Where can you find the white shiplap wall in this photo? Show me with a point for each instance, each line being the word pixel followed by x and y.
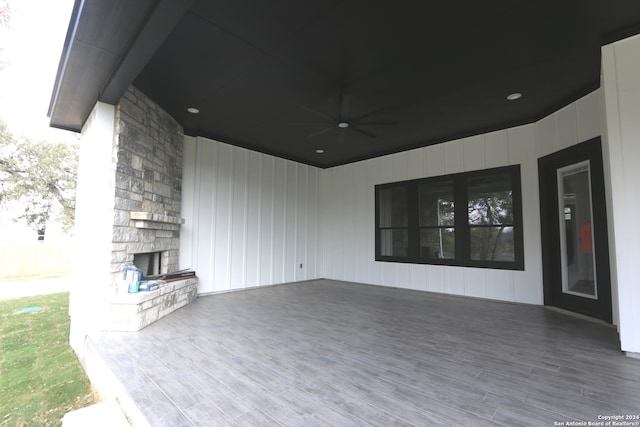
pixel 347 205
pixel 620 69
pixel 250 219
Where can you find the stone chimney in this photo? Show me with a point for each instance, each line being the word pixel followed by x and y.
pixel 128 203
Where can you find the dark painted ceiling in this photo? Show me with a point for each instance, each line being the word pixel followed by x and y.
pixel 278 76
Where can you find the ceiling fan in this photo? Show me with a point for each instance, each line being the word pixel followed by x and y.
pixel 343 122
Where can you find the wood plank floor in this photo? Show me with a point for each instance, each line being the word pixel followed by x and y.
pixel 327 353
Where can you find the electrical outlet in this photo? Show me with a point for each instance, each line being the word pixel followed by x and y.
pixel 300 265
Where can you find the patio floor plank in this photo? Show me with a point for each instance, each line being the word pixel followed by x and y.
pixel 331 353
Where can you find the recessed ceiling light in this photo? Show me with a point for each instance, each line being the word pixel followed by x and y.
pixel 193 110
pixel 343 125
pixel 319 151
pixel 514 96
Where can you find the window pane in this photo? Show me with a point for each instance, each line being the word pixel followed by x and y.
pixel 492 244
pixel 394 242
pixel 436 204
pixel 393 208
pixel 490 200
pixel 437 243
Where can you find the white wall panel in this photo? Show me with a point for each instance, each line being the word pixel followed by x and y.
pixel 311 248
pixel 522 147
pixel 499 285
pixel 453 156
pixel 474 153
pixel 359 258
pixel 403 276
pixel 374 270
pixel 189 154
pixel 301 222
pixel 254 195
pixel 400 166
pixel 249 217
pixel 343 205
pixel 590 116
pixel 497 149
pixel 256 218
pixel 545 130
pixel 435 278
pixel 345 209
pixel 417 164
pixel 203 220
pixel 435 160
pixel 620 69
pixel 290 222
pixel 279 212
pixel 265 241
pixel 418 280
pixel 454 280
pixel 567 126
pixel 475 282
pixel 239 216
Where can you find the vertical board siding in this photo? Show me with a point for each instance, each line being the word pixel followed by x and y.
pixel 188 192
pixel 475 282
pixel 621 67
pixel 238 219
pixel 278 224
pixel 496 144
pixel 527 287
pixel 546 136
pixel 348 206
pixel 290 222
pixel 253 219
pixel 311 249
pixel 474 152
pixel 221 208
pixel 266 224
pixel 248 216
pixel 567 126
pixel 435 160
pixel 590 116
pixel 254 210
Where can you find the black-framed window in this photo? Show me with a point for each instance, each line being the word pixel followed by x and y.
pixel 471 219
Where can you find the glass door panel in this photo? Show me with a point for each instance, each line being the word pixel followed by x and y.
pixel 576 234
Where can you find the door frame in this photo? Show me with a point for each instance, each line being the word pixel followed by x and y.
pixel 550 230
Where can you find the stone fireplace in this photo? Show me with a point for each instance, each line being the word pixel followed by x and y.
pixel 147 205
pixel 128 213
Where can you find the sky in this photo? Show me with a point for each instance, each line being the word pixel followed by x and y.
pixel 31 49
pixel 30 52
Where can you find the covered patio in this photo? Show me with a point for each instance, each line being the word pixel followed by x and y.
pixel 387 190
pixel 326 352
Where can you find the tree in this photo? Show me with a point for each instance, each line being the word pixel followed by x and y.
pixel 41 177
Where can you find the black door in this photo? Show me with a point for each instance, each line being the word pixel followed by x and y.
pixel 575 250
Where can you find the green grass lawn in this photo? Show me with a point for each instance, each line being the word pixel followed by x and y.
pixel 40 377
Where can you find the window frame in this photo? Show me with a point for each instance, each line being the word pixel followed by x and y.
pixel 462 228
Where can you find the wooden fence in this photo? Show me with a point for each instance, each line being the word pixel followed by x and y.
pixel 35 259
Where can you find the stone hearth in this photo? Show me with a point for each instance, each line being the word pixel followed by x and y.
pixel 132 312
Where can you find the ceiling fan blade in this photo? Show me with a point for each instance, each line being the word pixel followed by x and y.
pixel 319 123
pixel 319 113
pixel 344 108
pixel 381 123
pixel 364 132
pixel 371 113
pixel 320 132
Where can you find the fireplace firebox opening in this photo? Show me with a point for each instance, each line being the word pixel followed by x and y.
pixel 150 263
